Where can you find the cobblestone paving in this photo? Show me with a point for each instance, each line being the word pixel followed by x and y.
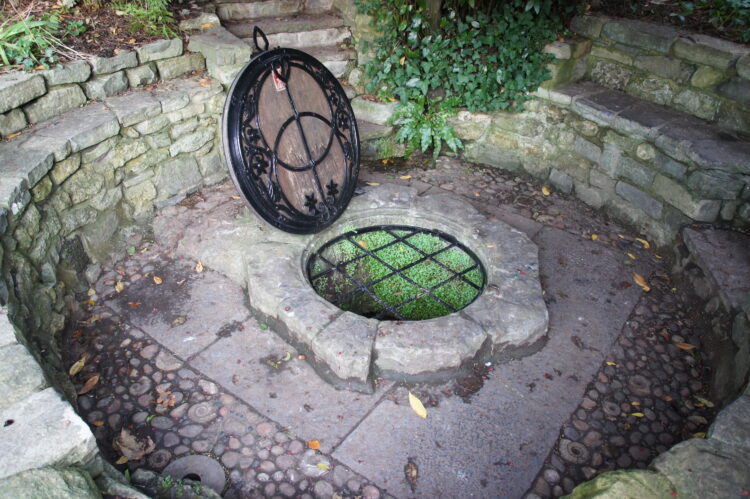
pixel 647 395
pixel 148 391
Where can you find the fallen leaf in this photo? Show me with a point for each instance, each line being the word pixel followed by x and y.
pixel 641 281
pixel 416 406
pixel 287 357
pixel 131 447
pixel 594 237
pixel 179 321
pixel 490 245
pixel 117 51
pixel 610 363
pixel 545 190
pixel 98 423
pixel 643 242
pixel 131 41
pixel 402 60
pixel 199 267
pixel 700 434
pixel 181 282
pixel 637 414
pixel 206 25
pixel 631 256
pixel 373 183
pixel 411 473
pixel 13 135
pixel 405 177
pixel 89 384
pixel 78 365
pixel 703 401
pixel 236 197
pixel 363 244
pixel 91 292
pixel 122 460
pixel 134 304
pixel 685 346
pixel 119 286
pixel 157 280
pixel 667 398
pixel 323 466
pixel 635 403
pixel 314 444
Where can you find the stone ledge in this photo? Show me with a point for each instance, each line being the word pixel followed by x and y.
pixel 45 431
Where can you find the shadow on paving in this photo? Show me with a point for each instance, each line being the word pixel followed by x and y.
pixel 246 397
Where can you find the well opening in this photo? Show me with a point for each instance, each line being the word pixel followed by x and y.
pixel 396 272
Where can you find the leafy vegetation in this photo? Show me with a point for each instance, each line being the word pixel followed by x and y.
pixel 424 125
pixel 29 42
pixel 395 290
pixel 150 16
pixel 723 15
pixel 484 56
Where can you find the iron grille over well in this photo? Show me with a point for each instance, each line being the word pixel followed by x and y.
pixel 396 272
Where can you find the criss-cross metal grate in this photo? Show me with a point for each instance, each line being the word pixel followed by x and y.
pixel 396 272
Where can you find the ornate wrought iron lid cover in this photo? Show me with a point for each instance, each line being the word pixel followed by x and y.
pixel 290 139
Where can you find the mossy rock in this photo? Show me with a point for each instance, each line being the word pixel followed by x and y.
pixel 624 484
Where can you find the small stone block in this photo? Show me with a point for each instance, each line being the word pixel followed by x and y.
pixel 106 65
pixel 345 345
pixel 20 375
pixel 46 431
pixel 12 121
pixel 708 50
pixel 55 102
pixel 134 107
pixel 657 38
pixel 72 72
pixel 142 75
pixel 103 86
pixel 18 88
pixel 162 49
pixel 178 66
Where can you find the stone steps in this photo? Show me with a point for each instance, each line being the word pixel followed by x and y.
pixel 286 24
pixel 241 11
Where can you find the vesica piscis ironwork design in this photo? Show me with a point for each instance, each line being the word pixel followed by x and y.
pixel 291 140
pixel 396 272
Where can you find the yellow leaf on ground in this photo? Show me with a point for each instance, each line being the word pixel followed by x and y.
pixel 199 267
pixel 179 321
pixel 89 384
pixel 158 280
pixel 641 281
pixel 13 135
pixel 91 292
pixel 373 183
pixel 700 434
pixel 637 414
pixel 98 423
pixel 117 51
pixel 490 245
pixel 122 460
pixel 643 242
pixel 545 190
pixel 206 25
pixel 236 197
pixel 704 401
pixel 323 466
pixel 119 286
pixel 314 444
pixel 631 256
pixel 416 406
pixel 594 237
pixel 131 41
pixel 405 177
pixel 667 398
pixel 685 346
pixel 77 366
pixel 610 363
pixel 635 403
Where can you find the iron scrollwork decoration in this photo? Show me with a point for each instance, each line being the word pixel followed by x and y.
pixel 291 140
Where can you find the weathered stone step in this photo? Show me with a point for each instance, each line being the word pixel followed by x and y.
pixel 241 11
pixel 306 39
pixel 287 24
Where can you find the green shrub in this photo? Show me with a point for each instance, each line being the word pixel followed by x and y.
pixel 149 16
pixel 724 15
pixel 424 124
pixel 31 42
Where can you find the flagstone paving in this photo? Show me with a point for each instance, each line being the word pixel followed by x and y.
pixel 183 360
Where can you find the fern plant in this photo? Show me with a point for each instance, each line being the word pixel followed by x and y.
pixel 424 125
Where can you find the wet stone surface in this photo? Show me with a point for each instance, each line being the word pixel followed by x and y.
pixel 183 362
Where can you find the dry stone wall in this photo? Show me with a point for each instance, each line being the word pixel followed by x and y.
pixel 697 74
pixel 76 186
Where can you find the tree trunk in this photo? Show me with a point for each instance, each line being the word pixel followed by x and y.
pixel 433 14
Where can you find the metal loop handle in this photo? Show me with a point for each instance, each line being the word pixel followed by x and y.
pixel 282 70
pixel 257 31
